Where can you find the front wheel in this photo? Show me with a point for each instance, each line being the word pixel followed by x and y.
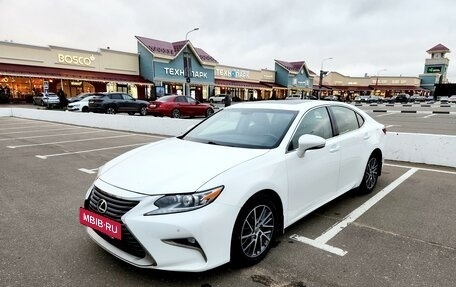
pixel 370 177
pixel 254 231
pixel 143 111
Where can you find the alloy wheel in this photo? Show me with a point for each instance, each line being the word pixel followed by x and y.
pixel 257 231
pixel 371 174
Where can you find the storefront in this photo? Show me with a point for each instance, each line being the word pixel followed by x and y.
pixel 26 70
pixel 244 84
pixel 294 76
pixel 176 68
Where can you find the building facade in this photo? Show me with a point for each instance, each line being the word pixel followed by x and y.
pixel 294 76
pixel 25 68
pixel 435 68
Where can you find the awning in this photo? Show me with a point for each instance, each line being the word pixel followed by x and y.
pixel 68 74
pixel 323 88
pixel 395 88
pixel 240 84
pixel 351 88
pixel 274 85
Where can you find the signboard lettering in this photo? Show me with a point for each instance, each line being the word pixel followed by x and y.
pixel 75 60
pixel 181 72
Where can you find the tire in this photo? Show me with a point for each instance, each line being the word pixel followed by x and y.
pixel 131 113
pixel 85 109
pixel 176 114
pixel 111 110
pixel 370 176
pixel 209 112
pixel 143 111
pixel 249 245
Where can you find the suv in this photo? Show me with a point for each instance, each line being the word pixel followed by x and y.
pixel 46 99
pixel 218 98
pixel 112 103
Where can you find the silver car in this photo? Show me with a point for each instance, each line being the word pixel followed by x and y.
pixel 46 99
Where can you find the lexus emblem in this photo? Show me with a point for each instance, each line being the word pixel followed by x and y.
pixel 102 206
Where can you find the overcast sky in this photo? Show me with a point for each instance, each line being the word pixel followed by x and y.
pixel 362 36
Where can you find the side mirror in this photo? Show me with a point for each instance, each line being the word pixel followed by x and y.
pixel 309 142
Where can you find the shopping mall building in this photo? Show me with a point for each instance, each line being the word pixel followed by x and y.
pixel 161 67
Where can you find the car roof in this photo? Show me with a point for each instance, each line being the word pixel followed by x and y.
pixel 295 105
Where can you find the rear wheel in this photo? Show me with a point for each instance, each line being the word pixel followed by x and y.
pixel 131 113
pixel 111 110
pixel 209 112
pixel 371 173
pixel 176 113
pixel 254 231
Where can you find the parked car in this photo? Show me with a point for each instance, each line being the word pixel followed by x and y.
pixel 218 98
pixel 443 100
pixel 401 98
pixel 293 97
pixel 46 99
pixel 430 99
pixel 362 99
pixel 112 103
pixel 331 98
pixel 81 105
pixel 452 99
pixel 226 189
pixel 177 106
pixel 375 99
pixel 80 97
pixel 417 99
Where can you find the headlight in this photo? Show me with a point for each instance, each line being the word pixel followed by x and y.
pixel 185 202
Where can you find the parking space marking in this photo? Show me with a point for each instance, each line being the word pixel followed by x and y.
pixel 421 168
pixel 89 171
pixel 69 141
pixel 388 114
pixel 30 126
pixel 428 116
pixel 45 130
pixel 390 126
pixel 55 135
pixel 86 151
pixel 320 242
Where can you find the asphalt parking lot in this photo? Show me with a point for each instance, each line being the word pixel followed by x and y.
pixel 401 235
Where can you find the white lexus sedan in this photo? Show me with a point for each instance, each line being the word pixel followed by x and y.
pixel 226 189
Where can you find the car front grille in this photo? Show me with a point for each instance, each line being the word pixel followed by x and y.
pixel 116 209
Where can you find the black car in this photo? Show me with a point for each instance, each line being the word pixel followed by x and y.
pixel 401 98
pixel 112 103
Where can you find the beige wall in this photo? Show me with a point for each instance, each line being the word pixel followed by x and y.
pixel 105 60
pixel 336 79
pixel 241 74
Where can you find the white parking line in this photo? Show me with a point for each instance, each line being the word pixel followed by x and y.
pixel 390 126
pixel 30 126
pixel 320 242
pixel 45 130
pixel 421 168
pixel 55 135
pixel 68 141
pixel 86 151
pixel 388 114
pixel 428 116
pixel 89 171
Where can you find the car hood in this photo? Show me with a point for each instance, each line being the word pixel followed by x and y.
pixel 173 166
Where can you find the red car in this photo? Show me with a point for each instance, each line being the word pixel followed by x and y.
pixel 176 106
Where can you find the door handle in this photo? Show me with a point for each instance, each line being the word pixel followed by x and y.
pixel 334 148
pixel 366 136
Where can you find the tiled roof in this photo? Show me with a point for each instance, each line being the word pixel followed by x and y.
pixel 291 66
pixel 438 48
pixel 172 49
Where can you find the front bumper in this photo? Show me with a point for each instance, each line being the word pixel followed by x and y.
pixel 166 238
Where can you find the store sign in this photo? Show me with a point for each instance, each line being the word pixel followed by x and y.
pixel 181 72
pixel 434 69
pixel 234 73
pixel 75 60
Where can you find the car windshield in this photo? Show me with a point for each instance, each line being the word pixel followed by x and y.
pixel 247 128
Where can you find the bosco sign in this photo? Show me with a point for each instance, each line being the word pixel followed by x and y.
pixel 76 60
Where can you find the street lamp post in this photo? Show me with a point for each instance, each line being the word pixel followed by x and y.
pixel 321 76
pixel 186 66
pixel 376 80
